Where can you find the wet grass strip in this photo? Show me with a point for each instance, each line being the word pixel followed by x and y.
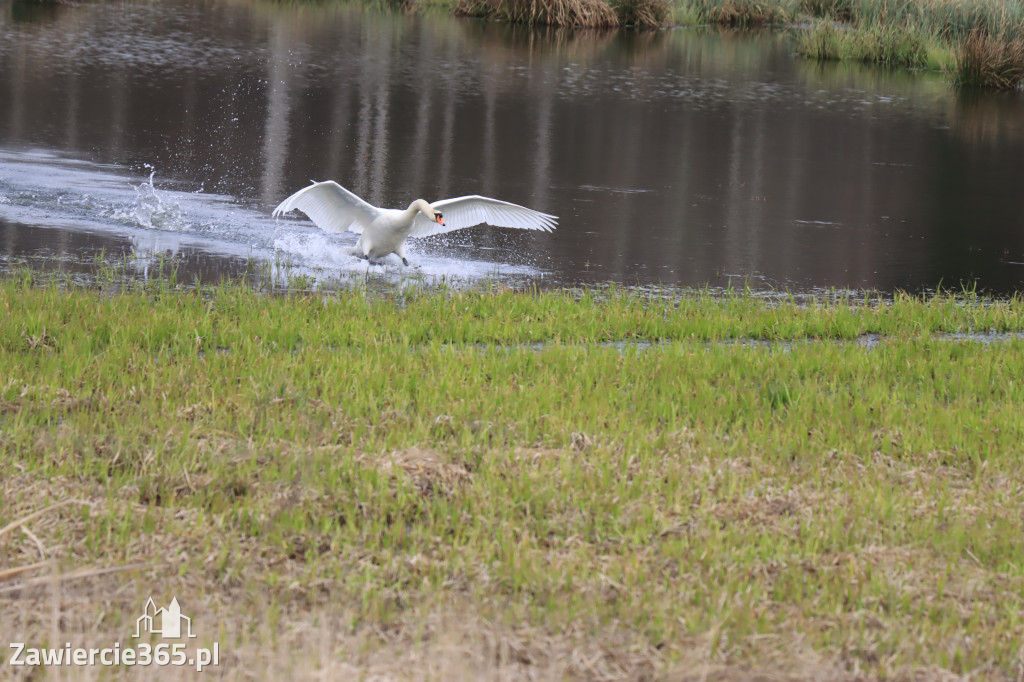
pixel 410 472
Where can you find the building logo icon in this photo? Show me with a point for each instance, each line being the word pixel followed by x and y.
pixel 169 623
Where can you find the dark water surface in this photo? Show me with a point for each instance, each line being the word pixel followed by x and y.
pixel 684 157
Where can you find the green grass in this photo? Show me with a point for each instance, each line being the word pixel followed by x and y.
pixel 978 44
pixel 491 482
pixel 882 44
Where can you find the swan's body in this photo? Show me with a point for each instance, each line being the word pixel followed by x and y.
pixel 384 230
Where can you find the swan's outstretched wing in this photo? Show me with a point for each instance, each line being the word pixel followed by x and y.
pixel 464 212
pixel 332 207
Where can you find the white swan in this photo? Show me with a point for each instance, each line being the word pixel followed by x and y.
pixel 384 230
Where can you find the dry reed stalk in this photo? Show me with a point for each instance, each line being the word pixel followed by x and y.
pixel 18 570
pixel 36 514
pixel 80 574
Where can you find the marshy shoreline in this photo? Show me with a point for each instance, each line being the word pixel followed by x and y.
pixel 977 45
pixel 980 46
pixel 453 484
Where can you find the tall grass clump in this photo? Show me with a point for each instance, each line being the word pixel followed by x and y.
pixel 745 13
pixel 894 45
pixel 638 13
pixel 586 13
pixel 641 13
pixel 837 10
pixel 823 42
pixel 985 60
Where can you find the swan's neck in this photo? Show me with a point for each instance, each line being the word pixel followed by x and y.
pixel 419 206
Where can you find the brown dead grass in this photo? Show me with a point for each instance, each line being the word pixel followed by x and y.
pixel 429 471
pixel 744 13
pixel 48 596
pixel 454 643
pixel 299 628
pixel 586 13
pixel 986 60
pixel 642 13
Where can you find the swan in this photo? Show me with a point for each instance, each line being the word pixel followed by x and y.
pixel 384 230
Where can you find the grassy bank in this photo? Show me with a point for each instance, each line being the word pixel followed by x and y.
pixel 455 485
pixel 979 44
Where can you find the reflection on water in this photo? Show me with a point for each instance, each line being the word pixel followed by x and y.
pixel 678 157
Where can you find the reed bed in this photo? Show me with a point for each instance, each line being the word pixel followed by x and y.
pixel 442 484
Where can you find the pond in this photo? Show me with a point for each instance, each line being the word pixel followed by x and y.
pixel 682 157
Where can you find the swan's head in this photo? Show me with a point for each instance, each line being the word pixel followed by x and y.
pixel 428 210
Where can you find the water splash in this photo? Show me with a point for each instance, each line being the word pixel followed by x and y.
pixel 150 211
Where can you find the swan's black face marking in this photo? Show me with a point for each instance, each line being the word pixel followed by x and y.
pixel 438 217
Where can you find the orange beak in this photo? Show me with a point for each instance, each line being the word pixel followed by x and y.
pixel 439 220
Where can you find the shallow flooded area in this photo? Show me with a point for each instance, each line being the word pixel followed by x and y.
pixel 684 157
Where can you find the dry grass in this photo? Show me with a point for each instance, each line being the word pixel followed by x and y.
pixel 302 628
pixel 582 13
pixel 986 60
pixel 642 13
pixel 297 629
pixel 586 13
pixel 745 13
pixel 429 471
